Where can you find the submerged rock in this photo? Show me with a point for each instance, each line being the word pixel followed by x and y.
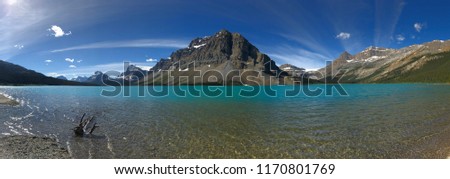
pixel 6 101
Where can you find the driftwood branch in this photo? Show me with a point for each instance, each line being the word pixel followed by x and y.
pixel 81 120
pixel 93 128
pixel 85 126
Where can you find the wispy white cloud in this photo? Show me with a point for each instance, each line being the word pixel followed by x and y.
pixel 400 38
pixel 48 61
pixel 71 60
pixel 418 26
pixel 287 22
pixel 79 61
pixel 19 46
pixel 343 36
pixel 53 74
pixel 151 60
pixel 58 31
pixel 344 18
pixel 308 42
pixel 142 43
pixel 387 15
pixel 72 66
pixel 299 57
pixel 144 67
pixel 25 22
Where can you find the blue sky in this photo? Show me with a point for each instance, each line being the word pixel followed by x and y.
pixel 79 37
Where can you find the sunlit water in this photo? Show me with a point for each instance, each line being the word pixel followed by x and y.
pixel 373 121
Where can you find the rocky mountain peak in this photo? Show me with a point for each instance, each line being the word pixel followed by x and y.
pixel 342 59
pixel 219 48
pixel 345 56
pixel 133 68
pixel 223 32
pixel 373 53
pixel 224 51
pixel 133 72
pixel 223 37
pixel 373 49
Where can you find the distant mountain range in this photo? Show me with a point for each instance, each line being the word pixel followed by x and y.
pixel 226 55
pixel 11 74
pixel 80 79
pixel 428 63
pixel 129 77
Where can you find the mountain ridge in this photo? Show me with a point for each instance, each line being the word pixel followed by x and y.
pixel 12 74
pixel 378 65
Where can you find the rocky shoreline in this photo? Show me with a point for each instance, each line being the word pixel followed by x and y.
pixel 31 147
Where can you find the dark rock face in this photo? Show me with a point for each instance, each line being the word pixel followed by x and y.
pixel 223 47
pixel 162 64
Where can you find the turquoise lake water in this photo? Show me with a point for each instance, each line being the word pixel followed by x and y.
pixel 372 121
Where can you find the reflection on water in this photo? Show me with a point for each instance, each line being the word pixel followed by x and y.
pixel 374 121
